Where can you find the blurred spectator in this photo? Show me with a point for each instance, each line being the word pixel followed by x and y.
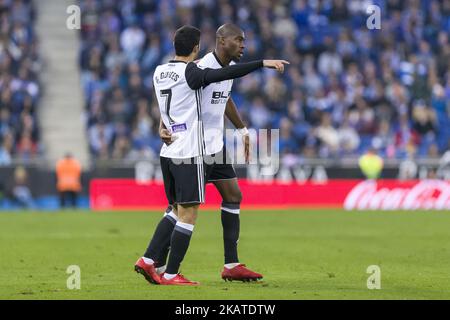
pixel 26 148
pixel 328 136
pixel 68 175
pixel 260 115
pixel 348 138
pixel 433 151
pixel 100 137
pixel 371 164
pixel 288 144
pixel 330 62
pixel 132 40
pixel 6 150
pixel 384 140
pixel 376 80
pixel 19 189
pixel 406 139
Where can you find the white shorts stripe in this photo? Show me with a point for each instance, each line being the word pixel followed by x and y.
pixel 199 183
pixel 235 211
pixel 202 187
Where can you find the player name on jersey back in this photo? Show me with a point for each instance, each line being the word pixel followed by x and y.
pixel 169 74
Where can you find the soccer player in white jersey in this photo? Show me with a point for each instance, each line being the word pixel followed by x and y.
pixel 178 87
pixel 217 97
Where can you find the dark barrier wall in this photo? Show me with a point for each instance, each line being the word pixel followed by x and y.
pixel 43 181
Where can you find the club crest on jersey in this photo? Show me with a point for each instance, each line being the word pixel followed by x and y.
pixel 219 97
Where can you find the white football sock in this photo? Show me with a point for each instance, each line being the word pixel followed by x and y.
pixel 231 265
pixel 171 214
pixel 148 260
pixel 169 276
pixel 161 269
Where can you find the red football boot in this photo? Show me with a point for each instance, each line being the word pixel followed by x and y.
pixel 178 280
pixel 148 271
pixel 240 273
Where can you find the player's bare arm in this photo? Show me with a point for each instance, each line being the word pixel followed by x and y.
pixel 233 115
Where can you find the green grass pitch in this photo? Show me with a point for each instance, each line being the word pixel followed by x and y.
pixel 303 254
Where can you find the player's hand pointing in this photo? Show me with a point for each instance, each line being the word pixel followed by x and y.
pixel 275 64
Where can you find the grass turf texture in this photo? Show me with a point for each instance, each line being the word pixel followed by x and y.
pixel 317 254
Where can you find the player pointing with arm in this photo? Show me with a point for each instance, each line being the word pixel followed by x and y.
pixel 178 87
pixel 230 43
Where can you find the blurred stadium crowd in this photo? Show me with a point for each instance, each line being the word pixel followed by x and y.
pixel 19 82
pixel 348 88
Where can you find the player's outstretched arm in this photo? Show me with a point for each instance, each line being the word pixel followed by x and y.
pixel 198 78
pixel 275 64
pixel 232 114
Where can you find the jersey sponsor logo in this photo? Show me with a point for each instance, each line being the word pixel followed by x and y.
pixel 219 97
pixel 179 127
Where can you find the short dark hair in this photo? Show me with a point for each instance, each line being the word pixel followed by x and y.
pixel 186 38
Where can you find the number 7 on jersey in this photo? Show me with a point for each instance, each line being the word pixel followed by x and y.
pixel 168 94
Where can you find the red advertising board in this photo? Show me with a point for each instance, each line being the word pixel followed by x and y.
pixel 127 194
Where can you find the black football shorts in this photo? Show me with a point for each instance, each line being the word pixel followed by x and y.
pixel 185 179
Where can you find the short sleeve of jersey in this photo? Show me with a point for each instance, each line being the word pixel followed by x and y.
pixel 202 65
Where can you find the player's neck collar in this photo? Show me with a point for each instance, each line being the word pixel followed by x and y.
pixel 177 61
pixel 217 58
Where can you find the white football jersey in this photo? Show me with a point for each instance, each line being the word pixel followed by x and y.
pixel 179 88
pixel 214 100
pixel 180 110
